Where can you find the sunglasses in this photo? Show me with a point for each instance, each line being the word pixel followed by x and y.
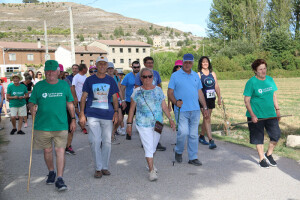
pixel 149 76
pixel 39 74
pixel 93 71
pixel 136 67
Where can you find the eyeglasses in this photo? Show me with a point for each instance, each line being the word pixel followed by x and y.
pixel 40 74
pixel 93 71
pixel 136 67
pixel 149 76
pixel 149 62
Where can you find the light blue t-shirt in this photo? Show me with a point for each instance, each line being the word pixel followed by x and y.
pixel 186 87
pixel 156 79
pixel 154 98
pixel 128 81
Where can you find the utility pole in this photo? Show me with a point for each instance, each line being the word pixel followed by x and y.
pixel 72 37
pixel 47 56
pixel 203 50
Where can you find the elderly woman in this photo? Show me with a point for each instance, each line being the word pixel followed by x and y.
pixel 150 104
pixel 261 103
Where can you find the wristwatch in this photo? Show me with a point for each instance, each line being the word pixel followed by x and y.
pixel 205 108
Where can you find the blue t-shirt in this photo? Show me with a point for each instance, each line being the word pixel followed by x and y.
pixel 70 77
pixel 186 87
pixel 100 91
pixel 128 81
pixel 156 79
pixel 154 98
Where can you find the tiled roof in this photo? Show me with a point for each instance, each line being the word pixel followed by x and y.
pixel 24 46
pixel 121 42
pixel 86 49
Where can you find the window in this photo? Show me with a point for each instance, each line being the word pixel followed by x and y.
pixel 91 62
pixel 12 56
pixel 114 60
pixel 144 50
pixel 137 50
pixel 121 50
pixel 91 54
pixel 121 60
pixel 82 62
pixel 81 54
pixel 12 69
pixel 129 50
pixel 129 61
pixel 30 57
pixel 113 50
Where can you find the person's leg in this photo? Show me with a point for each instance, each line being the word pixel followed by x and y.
pixel 271 147
pixel 25 120
pixel 70 138
pixel 207 124
pixel 193 124
pixel 106 129
pixel 203 130
pixel 5 109
pixel 95 140
pixel 273 130
pixel 20 123
pixel 48 156
pixel 260 151
pixel 183 131
pixel 257 137
pixel 60 160
pixel 150 163
pixel 13 122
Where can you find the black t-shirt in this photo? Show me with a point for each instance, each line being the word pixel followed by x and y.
pixel 29 86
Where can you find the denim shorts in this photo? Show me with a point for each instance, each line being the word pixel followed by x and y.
pixel 257 130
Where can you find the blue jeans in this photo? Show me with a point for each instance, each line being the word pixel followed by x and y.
pixel 188 128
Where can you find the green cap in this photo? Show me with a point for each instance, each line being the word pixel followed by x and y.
pixel 51 65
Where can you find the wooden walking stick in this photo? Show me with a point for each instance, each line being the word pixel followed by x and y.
pixel 263 119
pixel 31 145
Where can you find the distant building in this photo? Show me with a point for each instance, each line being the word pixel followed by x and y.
pixel 14 56
pixel 157 41
pixel 83 55
pixel 122 53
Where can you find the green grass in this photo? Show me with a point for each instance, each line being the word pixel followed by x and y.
pixel 288 96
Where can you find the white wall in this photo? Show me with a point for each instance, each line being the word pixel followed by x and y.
pixel 63 56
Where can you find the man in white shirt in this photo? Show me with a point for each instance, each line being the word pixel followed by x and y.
pixel 76 89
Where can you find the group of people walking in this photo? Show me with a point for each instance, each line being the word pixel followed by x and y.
pixel 101 101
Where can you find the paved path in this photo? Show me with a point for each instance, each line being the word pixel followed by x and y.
pixel 229 172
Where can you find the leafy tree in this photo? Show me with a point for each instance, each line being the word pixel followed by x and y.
pixel 119 32
pixel 180 43
pixel 167 44
pixel 296 17
pixel 99 35
pixel 81 38
pixel 29 28
pixel 149 40
pixel 142 31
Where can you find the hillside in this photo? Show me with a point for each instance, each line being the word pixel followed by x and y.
pixel 25 22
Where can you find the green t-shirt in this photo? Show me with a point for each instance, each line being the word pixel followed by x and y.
pixel 20 91
pixel 261 93
pixel 51 100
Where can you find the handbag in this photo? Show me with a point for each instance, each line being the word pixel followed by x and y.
pixel 158 127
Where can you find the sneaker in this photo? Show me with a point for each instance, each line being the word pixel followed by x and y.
pixel 123 131
pixel 160 147
pixel 114 141
pixel 1 128
pixel 84 131
pixel 13 131
pixel 178 157
pixel 263 163
pixel 7 116
pixel 51 178
pixel 195 162
pixel 60 184
pixel 154 168
pixel 119 130
pixel 153 175
pixel 70 151
pixel 202 140
pixel 98 174
pixel 20 132
pixel 128 137
pixel 105 172
pixel 212 144
pixel 270 160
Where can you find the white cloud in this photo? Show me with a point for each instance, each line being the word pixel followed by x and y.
pixel 196 29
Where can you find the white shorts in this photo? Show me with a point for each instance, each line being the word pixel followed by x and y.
pixel 149 139
pixel 18 111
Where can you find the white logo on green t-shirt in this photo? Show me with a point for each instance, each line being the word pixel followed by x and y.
pixel 44 95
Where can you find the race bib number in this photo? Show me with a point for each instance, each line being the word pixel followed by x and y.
pixel 210 94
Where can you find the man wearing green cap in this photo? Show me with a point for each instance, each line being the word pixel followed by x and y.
pixel 52 96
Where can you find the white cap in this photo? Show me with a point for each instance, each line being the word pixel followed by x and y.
pixel 101 58
pixel 111 65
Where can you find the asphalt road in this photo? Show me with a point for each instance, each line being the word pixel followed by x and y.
pixel 228 172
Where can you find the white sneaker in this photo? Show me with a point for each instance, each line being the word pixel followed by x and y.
pixel 7 116
pixel 154 168
pixel 123 131
pixel 119 130
pixel 153 176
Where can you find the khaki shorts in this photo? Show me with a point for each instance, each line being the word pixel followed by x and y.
pixel 18 111
pixel 43 139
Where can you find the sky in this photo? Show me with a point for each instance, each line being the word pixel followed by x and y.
pixel 185 15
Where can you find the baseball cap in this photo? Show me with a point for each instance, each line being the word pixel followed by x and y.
pixel 51 65
pixel 111 65
pixel 101 58
pixel 178 62
pixel 188 57
pixel 120 71
pixel 61 67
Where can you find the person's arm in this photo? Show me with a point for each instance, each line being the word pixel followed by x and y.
pixel 2 96
pixel 82 118
pixel 122 90
pixel 32 107
pixel 217 88
pixel 167 113
pixel 130 117
pixel 203 103
pixel 171 97
pixel 276 106
pixel 70 106
pixel 249 108
pixel 73 91
pixel 116 108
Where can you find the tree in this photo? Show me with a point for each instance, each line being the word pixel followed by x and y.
pixel 119 31
pixel 167 44
pixel 81 38
pixel 99 35
pixel 149 40
pixel 296 17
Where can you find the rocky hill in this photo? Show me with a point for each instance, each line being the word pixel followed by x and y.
pixel 25 22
